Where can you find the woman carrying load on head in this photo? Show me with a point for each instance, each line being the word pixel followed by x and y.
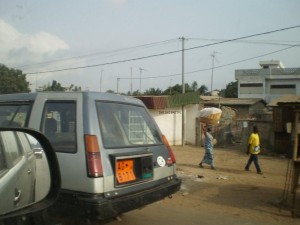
pixel 208 146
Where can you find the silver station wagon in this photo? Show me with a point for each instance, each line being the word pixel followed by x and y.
pixel 112 155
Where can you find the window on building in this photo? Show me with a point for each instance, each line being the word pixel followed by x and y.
pixel 280 89
pixel 251 88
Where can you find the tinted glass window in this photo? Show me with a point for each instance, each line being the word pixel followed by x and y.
pixel 125 125
pixel 34 144
pixel 59 125
pixel 25 142
pixel 13 152
pixel 14 115
pixel 3 165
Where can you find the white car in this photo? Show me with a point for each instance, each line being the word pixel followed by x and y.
pixel 28 184
pixel 17 171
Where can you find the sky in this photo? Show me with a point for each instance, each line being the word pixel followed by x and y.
pixel 129 45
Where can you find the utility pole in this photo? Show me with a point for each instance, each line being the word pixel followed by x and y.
pixel 183 91
pixel 213 55
pixel 36 75
pixel 130 80
pixel 141 69
pixel 101 80
pixel 182 67
pixel 118 79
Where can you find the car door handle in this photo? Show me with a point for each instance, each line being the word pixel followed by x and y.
pixel 29 171
pixel 18 194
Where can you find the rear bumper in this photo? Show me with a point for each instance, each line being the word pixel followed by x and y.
pixel 98 207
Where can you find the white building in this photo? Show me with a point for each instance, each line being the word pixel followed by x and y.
pixel 169 121
pixel 269 82
pixel 168 116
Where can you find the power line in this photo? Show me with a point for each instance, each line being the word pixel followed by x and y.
pixel 115 52
pixel 165 53
pixel 216 67
pixel 263 42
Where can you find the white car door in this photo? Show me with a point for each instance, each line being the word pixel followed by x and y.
pixel 15 179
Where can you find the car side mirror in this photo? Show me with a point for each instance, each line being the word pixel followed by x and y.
pixel 29 173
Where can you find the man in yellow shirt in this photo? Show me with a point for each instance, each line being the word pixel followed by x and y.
pixel 253 149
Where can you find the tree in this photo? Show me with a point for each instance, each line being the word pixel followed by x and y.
pixel 153 91
pixel 194 86
pixel 188 88
pixel 55 86
pixel 231 90
pixel 202 90
pixel 168 91
pixel 136 93
pixel 177 89
pixel 12 81
pixel 222 93
pixel 76 88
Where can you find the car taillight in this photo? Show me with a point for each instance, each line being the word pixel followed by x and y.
pixel 173 160
pixel 94 163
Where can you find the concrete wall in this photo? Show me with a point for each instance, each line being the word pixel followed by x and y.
pixel 170 123
pixel 271 96
pixel 192 112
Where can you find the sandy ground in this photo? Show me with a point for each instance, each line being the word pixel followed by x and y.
pixel 231 190
pixel 228 195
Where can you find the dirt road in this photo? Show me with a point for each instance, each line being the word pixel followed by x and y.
pixel 228 195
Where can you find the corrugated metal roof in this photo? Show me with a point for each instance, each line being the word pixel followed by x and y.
pixel 154 102
pixel 285 99
pixel 162 102
pixel 183 99
pixel 233 101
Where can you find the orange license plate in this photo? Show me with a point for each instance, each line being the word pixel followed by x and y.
pixel 124 171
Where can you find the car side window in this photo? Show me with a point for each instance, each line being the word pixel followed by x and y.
pixel 3 165
pixel 59 125
pixel 28 148
pixel 13 152
pixel 14 115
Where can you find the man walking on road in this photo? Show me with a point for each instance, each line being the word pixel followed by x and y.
pixel 253 149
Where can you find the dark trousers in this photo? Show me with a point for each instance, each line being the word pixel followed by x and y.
pixel 253 158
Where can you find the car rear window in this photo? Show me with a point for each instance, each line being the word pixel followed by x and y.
pixel 124 125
